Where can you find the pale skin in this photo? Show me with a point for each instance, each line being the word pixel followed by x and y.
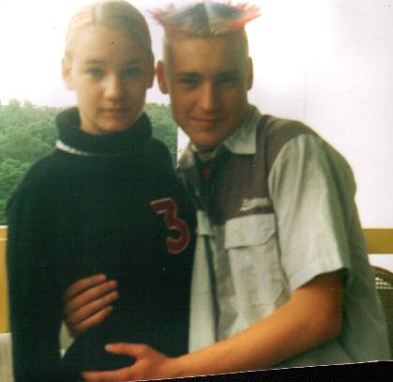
pixel 208 80
pixel 88 302
pixel 110 74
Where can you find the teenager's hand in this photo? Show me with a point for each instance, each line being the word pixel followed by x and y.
pixel 87 302
pixel 149 364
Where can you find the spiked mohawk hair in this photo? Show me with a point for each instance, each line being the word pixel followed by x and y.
pixel 206 18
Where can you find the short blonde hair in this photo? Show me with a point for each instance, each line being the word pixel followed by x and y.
pixel 118 15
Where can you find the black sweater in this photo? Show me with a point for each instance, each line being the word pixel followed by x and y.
pixel 98 204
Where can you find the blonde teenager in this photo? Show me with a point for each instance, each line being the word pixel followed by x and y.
pixel 105 202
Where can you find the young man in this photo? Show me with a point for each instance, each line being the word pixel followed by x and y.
pixel 281 276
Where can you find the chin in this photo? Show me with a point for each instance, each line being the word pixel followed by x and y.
pixel 116 128
pixel 206 145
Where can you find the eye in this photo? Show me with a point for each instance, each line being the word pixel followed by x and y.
pixel 132 71
pixel 228 78
pixel 188 81
pixel 95 72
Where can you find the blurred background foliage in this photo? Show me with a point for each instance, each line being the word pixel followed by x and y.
pixel 28 133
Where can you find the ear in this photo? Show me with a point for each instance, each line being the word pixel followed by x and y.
pixel 161 77
pixel 67 73
pixel 250 73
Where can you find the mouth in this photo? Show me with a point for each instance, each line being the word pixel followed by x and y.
pixel 116 110
pixel 207 121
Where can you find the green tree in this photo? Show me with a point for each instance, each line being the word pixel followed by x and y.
pixel 164 128
pixel 11 173
pixel 28 133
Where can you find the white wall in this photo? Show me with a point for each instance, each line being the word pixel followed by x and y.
pixel 330 63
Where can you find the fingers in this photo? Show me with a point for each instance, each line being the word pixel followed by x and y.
pixel 147 362
pixel 118 375
pixel 83 284
pixel 122 348
pixel 92 297
pixel 88 302
pixel 91 302
pixel 92 321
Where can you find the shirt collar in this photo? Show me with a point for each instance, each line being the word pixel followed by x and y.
pixel 243 140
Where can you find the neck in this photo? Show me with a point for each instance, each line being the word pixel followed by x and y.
pixel 206 154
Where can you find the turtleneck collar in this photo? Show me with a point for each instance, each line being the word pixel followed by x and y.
pixel 75 141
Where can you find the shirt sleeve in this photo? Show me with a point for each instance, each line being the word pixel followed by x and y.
pixel 312 191
pixel 35 304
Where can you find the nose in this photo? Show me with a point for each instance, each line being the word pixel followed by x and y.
pixel 209 97
pixel 114 87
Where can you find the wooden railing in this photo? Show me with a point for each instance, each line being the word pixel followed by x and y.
pixel 3 282
pixel 379 240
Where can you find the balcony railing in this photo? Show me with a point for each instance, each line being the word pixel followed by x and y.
pixel 3 282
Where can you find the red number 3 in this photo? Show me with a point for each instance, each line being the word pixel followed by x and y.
pixel 168 207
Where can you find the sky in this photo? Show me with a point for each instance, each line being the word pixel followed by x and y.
pixel 328 63
pixel 32 43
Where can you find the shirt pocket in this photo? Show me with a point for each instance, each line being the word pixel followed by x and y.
pixel 251 244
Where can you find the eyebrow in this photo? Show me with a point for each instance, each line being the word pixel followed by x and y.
pixel 197 74
pixel 102 62
pixel 188 74
pixel 229 72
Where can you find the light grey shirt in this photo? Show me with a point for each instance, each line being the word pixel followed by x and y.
pixel 287 214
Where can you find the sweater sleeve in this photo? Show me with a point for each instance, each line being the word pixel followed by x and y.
pixel 35 300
